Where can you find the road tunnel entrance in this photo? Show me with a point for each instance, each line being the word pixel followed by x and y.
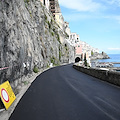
pixel 77 59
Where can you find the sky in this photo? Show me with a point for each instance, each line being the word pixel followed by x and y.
pixel 96 21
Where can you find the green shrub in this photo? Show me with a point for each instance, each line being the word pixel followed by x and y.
pixel 26 1
pixel 51 49
pixel 49 25
pixel 48 65
pixel 66 35
pixel 58 38
pixel 66 48
pixel 25 82
pixel 30 15
pixel 54 29
pixel 55 61
pixel 52 33
pixel 52 60
pixel 60 54
pixel 45 18
pixel 35 69
pixel 51 21
pixel 26 5
pixel 85 63
pixel 92 53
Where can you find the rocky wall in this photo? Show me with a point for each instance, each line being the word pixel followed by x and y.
pixel 29 37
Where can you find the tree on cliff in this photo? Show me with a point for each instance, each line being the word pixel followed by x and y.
pixel 102 53
pixel 85 60
pixel 92 53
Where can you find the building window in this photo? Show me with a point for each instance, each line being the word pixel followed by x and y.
pixel 73 36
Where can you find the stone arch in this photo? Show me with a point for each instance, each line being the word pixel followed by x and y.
pixel 77 59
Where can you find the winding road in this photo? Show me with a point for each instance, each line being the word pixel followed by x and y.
pixel 63 93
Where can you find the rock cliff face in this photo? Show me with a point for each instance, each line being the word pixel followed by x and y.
pixel 102 55
pixel 29 37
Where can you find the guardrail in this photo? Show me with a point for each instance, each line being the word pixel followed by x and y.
pixel 105 75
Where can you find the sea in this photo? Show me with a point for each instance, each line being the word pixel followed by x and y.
pixel 113 58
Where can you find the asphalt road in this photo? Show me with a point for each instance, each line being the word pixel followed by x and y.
pixel 63 93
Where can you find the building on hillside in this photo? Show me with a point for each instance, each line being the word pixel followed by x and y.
pixel 88 58
pixel 60 20
pixel 82 49
pixel 58 15
pixel 67 28
pixel 46 3
pixel 78 49
pixel 57 7
pixel 43 2
pixel 96 50
pixel 56 11
pixel 52 7
pixel 74 38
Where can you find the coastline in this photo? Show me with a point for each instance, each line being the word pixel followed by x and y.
pixel 102 55
pixel 112 64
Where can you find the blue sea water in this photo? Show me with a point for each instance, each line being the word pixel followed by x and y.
pixel 113 58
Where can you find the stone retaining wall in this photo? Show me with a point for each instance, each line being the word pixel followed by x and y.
pixel 109 76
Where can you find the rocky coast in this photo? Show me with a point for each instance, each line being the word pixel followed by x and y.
pixel 102 55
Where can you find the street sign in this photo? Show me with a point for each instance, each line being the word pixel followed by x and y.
pixel 7 95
